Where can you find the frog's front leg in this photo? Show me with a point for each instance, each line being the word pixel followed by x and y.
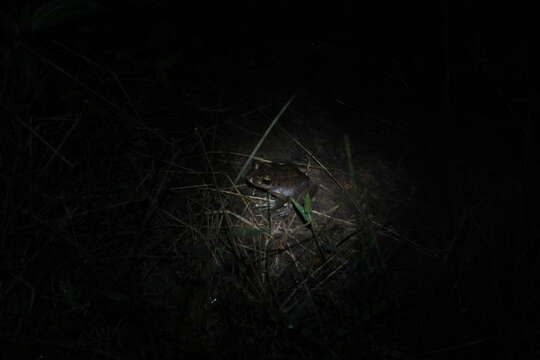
pixel 273 203
pixel 279 203
pixel 285 207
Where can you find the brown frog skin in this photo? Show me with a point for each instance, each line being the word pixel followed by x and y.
pixel 283 180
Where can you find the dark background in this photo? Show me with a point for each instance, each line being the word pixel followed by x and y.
pixel 455 74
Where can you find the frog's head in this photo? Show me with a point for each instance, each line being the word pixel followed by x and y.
pixel 260 176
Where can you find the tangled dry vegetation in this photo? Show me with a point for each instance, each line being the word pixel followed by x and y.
pixel 150 227
pixel 256 264
pixel 115 232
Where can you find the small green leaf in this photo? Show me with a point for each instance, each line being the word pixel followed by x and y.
pixel 307 203
pixel 305 210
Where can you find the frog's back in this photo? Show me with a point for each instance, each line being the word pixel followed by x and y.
pixel 280 178
pixel 287 175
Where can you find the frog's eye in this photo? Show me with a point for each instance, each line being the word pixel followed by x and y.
pixel 267 180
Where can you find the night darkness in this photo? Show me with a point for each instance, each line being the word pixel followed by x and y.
pixel 130 227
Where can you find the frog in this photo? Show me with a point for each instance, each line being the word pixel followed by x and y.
pixel 282 180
